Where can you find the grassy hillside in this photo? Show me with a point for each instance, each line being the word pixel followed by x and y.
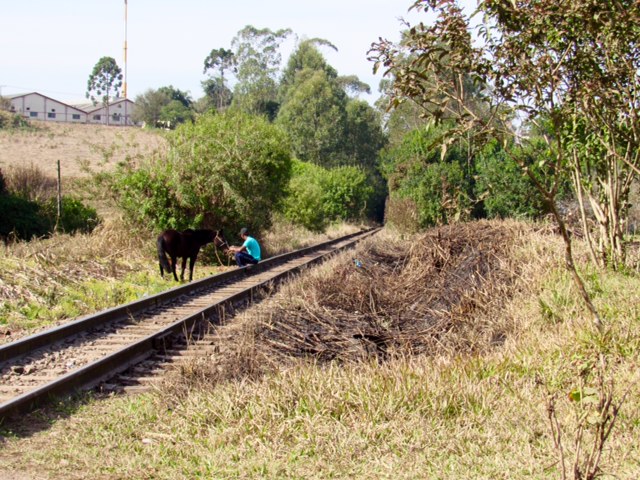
pixel 459 353
pixel 80 148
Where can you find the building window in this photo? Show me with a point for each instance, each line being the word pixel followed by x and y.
pixel 33 114
pixel 75 116
pixel 51 115
pixel 96 117
pixel 116 117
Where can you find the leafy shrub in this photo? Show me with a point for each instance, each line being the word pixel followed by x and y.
pixel 346 193
pixel 432 177
pixel 304 204
pixel 226 170
pixel 22 218
pixel 319 196
pixel 75 216
pixel 506 190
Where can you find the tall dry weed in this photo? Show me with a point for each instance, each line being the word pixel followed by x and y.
pixel 30 182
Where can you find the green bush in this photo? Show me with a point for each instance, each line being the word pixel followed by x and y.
pixel 11 120
pixel 227 170
pixel 75 216
pixel 506 190
pixel 346 193
pixel 433 178
pixel 319 196
pixel 22 218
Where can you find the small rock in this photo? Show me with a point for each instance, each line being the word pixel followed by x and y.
pixel 147 441
pixel 29 370
pixel 17 369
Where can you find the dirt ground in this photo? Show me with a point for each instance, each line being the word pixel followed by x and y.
pixel 81 148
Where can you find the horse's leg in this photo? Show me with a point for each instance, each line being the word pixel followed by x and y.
pixel 174 261
pixel 184 265
pixel 192 263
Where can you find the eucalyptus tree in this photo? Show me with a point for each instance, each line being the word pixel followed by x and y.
pixel 104 82
pixel 314 115
pixel 306 56
pixel 257 58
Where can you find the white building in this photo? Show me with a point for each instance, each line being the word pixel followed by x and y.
pixel 36 106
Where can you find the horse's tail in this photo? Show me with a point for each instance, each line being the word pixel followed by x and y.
pixel 162 257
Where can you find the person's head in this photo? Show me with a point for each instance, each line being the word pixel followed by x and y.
pixel 244 233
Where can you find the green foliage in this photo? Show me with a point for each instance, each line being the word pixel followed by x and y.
pixel 304 204
pixel 346 193
pixel 506 190
pixel 364 136
pixel 175 113
pixel 11 120
pixel 314 115
pixel 305 57
pixel 431 176
pixel 178 95
pixel 22 218
pixel 26 219
pixel 224 170
pixel 166 106
pixel 319 196
pixel 75 216
pixel 257 57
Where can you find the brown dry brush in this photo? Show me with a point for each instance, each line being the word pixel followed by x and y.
pixel 408 298
pixel 432 294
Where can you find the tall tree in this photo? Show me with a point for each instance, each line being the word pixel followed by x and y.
pixel 166 107
pixel 104 82
pixel 314 115
pixel 257 56
pixel 306 56
pixel 217 63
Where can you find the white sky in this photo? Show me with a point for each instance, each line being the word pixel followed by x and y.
pixel 51 46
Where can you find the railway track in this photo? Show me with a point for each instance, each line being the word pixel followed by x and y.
pixel 123 346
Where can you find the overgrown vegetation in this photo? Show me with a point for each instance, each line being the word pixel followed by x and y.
pixel 29 207
pixel 223 171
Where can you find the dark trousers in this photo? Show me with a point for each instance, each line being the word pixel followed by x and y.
pixel 243 258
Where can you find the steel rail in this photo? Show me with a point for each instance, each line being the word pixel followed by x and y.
pixel 111 364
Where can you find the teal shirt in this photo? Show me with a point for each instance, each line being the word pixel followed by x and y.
pixel 253 248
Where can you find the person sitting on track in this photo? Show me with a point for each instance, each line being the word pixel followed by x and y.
pixel 249 252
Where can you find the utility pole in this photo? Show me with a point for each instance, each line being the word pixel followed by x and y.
pixel 126 117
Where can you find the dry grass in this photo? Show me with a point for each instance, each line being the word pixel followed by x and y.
pixel 80 148
pixel 284 236
pixel 471 404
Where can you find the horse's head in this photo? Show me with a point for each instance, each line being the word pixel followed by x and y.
pixel 219 241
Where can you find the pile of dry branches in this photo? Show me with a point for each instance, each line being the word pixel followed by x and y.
pixel 399 297
pixel 433 293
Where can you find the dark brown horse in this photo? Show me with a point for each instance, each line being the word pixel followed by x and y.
pixel 185 245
